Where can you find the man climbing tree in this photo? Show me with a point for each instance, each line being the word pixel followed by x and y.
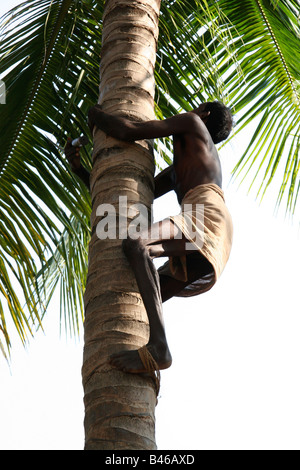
pixel 197 249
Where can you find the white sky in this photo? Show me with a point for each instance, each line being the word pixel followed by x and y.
pixel 234 382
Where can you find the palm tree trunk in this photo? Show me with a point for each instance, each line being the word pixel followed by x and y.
pixel 120 407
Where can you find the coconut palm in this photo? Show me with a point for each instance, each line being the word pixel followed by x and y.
pixel 50 54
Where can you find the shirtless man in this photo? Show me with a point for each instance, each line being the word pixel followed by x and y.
pixel 196 177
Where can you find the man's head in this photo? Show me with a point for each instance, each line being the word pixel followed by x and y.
pixel 217 118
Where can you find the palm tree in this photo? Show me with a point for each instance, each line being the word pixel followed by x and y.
pixel 49 62
pixel 119 407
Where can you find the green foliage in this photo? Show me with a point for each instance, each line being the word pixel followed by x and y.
pixel 268 53
pixel 50 52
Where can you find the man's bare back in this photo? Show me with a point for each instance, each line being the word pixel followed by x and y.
pixel 196 160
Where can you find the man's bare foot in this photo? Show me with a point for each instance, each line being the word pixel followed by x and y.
pixel 130 361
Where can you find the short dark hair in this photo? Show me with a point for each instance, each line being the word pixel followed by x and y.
pixel 219 122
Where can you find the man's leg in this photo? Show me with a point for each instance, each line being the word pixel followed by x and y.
pixel 140 254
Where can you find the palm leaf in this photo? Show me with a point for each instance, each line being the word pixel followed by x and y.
pixel 38 193
pixel 268 54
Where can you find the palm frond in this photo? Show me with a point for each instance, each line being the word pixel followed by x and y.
pixel 194 45
pixel 46 88
pixel 268 54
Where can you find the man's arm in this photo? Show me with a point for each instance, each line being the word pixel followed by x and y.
pixel 164 182
pixel 84 175
pixel 124 129
pixel 73 156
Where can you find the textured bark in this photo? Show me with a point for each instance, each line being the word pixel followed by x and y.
pixel 120 407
